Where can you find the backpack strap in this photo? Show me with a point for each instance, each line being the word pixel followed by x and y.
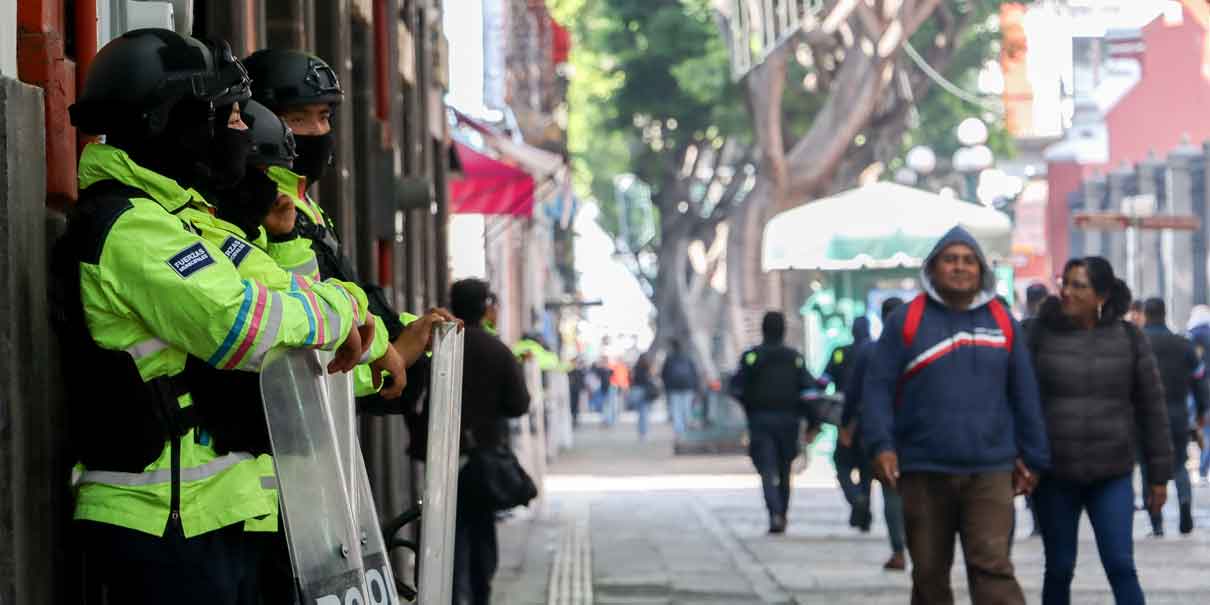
pixel 911 324
pixel 1003 321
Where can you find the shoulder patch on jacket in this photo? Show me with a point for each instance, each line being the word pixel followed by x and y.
pixel 192 259
pixel 236 249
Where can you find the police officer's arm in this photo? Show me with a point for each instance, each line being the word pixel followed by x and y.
pixel 190 296
pixel 739 380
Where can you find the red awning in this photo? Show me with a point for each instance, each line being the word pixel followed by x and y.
pixel 489 186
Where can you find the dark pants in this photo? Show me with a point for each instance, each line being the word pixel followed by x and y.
pixel 140 569
pixel 979 509
pixel 476 552
pixel 1180 474
pixel 773 445
pixel 856 491
pixel 1110 506
pixel 274 583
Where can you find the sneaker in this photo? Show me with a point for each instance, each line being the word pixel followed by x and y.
pixel 1186 518
pixel 897 562
pixel 777 524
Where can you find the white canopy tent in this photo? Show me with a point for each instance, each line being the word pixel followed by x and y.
pixel 879 226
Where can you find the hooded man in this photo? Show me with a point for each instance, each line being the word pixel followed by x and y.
pixel 951 402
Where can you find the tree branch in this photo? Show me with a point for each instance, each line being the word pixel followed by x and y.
pixel 765 84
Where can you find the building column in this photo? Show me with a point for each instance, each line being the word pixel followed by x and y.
pixel 1096 199
pixel 1187 252
pixel 1122 184
pixel 1151 263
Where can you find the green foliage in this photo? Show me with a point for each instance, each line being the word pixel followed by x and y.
pixel 939 112
pixel 651 77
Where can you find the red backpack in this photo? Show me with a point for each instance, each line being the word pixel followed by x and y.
pixel 911 325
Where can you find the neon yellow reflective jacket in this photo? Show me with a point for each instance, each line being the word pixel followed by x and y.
pixel 297 256
pixel 253 263
pixel 162 293
pixel 547 360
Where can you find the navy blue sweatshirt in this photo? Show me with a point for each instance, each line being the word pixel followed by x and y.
pixel 970 404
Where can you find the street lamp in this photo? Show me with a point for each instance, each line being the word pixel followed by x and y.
pixel 920 161
pixel 974 156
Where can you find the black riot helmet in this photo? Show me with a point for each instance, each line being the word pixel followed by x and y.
pixel 138 79
pixel 284 78
pixel 272 141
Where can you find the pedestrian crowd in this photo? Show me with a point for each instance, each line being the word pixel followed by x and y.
pixel 957 408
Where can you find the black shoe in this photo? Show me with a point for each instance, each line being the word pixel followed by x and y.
pixel 777 524
pixel 864 519
pixel 1157 526
pixel 1186 518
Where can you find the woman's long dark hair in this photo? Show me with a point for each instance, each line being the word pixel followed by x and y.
pixel 1104 283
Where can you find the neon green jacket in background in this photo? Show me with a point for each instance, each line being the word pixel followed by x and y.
pixel 162 293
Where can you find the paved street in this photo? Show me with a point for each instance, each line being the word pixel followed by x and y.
pixel 627 522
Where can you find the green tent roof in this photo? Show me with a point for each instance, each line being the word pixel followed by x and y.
pixel 878 226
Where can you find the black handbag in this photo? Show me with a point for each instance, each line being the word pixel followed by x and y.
pixel 495 479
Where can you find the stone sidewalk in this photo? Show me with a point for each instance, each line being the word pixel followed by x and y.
pixel 624 522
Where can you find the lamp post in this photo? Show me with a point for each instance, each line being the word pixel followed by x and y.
pixel 974 156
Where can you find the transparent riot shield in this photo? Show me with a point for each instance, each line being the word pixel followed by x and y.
pixel 535 423
pixel 441 469
pixel 380 577
pixel 325 548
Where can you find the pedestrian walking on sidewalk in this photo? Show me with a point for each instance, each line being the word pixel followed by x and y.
pixel 681 383
pixel 849 460
pixel 769 383
pixel 1035 295
pixel 1183 375
pixel 493 390
pixel 849 437
pixel 1102 395
pixel 950 401
pixel 643 392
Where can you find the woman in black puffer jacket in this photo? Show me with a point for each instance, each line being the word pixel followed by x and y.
pixel 1101 394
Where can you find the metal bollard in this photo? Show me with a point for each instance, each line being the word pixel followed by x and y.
pixel 441 470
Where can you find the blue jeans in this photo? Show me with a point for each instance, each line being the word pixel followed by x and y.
pixel 773 445
pixel 679 404
pixel 609 407
pixel 1110 506
pixel 892 509
pixel 641 404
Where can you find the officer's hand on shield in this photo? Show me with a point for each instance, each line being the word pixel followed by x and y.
pixel 392 363
pixel 417 336
pixel 349 354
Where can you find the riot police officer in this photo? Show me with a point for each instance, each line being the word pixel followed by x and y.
pixel 139 296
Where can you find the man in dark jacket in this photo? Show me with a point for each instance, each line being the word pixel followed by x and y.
pixel 769 383
pixel 681 382
pixel 1182 373
pixel 493 390
pixel 951 400
pixel 846 457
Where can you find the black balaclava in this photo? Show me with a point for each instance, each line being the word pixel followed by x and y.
pixel 194 149
pixel 248 203
pixel 314 155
